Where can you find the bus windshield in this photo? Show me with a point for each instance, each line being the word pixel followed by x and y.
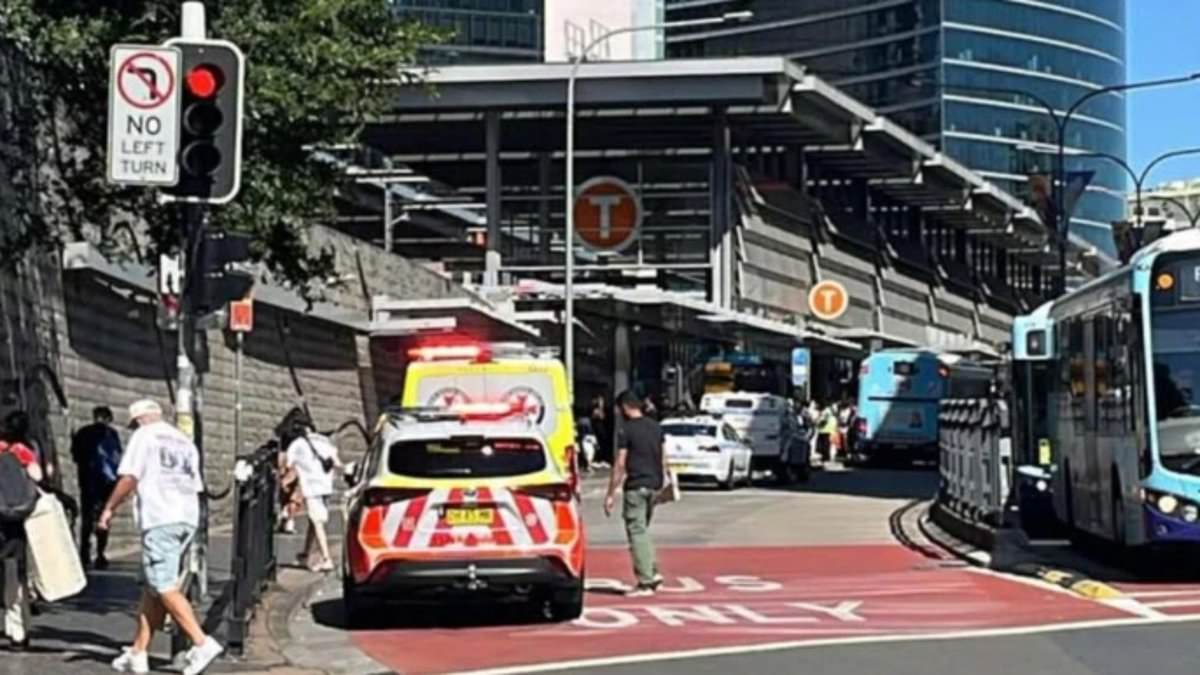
pixel 1176 353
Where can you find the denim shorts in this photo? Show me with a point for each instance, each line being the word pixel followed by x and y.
pixel 164 556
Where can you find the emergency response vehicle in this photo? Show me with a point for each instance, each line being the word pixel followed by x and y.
pixel 446 375
pixel 467 500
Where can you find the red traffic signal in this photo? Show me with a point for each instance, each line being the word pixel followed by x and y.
pixel 204 80
pixel 210 120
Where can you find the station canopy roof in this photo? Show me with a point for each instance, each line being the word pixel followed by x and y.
pixel 671 107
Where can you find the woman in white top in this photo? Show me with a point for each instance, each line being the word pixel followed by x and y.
pixel 314 458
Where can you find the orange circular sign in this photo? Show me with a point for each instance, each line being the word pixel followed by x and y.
pixel 828 300
pixel 608 214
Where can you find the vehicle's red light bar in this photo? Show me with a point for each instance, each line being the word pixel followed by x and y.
pixel 449 353
pixel 486 409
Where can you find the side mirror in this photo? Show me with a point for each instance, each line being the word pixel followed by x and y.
pixel 350 473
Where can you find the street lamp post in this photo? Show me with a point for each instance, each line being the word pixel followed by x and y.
pixel 1062 222
pixel 1139 179
pixel 569 240
pixel 1062 225
pixel 1187 211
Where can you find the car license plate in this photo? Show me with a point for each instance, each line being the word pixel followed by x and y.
pixel 467 517
pixel 679 466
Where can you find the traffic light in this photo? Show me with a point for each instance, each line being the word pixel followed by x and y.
pixel 213 283
pixel 210 121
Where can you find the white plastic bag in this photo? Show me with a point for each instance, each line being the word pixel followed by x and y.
pixel 54 564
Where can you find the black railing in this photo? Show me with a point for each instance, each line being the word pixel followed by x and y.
pixel 255 559
pixel 976 459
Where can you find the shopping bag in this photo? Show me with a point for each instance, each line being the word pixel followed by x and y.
pixel 670 491
pixel 54 564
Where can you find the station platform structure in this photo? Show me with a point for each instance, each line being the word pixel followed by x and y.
pixel 756 181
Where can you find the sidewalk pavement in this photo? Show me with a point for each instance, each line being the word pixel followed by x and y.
pixel 81 635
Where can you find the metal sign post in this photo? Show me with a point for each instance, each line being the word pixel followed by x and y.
pixel 241 321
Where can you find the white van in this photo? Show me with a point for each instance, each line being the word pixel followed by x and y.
pixel 768 425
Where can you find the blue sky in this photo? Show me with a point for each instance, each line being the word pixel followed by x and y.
pixel 1164 41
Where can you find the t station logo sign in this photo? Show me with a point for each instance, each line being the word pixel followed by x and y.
pixel 608 214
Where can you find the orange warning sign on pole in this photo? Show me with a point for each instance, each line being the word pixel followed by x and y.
pixel 241 316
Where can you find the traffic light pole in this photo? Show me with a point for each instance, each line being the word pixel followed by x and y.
pixel 189 395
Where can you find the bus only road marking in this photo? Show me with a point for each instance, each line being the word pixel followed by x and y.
pixel 680 616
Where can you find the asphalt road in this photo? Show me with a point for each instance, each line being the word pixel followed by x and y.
pixel 812 579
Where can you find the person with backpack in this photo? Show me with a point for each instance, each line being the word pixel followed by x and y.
pixel 20 472
pixel 314 458
pixel 96 450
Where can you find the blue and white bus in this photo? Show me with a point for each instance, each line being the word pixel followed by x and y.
pixel 1123 398
pixel 899 394
pixel 1033 363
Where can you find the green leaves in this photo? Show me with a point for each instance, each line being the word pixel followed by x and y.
pixel 317 72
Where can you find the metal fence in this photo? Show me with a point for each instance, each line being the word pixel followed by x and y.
pixel 976 459
pixel 255 559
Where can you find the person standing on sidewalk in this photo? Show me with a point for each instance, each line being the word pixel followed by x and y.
pixel 639 466
pixel 162 467
pixel 96 450
pixel 314 458
pixel 13 560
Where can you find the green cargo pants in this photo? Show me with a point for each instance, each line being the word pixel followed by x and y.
pixel 638 509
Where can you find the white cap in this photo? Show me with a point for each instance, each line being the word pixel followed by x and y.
pixel 144 407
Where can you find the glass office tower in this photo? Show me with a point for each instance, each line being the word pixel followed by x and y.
pixel 972 76
pixel 483 31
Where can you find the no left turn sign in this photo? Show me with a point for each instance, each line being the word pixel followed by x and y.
pixel 146 80
pixel 143 115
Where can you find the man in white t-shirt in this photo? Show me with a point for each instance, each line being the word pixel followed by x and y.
pixel 314 458
pixel 161 467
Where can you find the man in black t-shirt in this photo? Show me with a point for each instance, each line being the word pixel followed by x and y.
pixel 639 468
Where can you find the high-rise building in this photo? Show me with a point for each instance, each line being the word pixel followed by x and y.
pixel 571 24
pixel 974 77
pixel 481 31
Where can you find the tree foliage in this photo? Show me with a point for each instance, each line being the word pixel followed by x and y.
pixel 317 72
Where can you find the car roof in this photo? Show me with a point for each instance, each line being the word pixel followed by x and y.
pixel 706 420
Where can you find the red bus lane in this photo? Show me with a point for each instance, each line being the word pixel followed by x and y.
pixel 730 597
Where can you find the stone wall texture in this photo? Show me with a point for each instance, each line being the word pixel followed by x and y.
pixel 96 337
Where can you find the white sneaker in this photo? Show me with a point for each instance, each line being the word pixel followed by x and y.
pixel 131 662
pixel 202 656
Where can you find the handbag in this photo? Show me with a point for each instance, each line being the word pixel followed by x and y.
pixel 326 462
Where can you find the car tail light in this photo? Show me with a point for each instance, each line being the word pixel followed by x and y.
pixel 561 492
pixel 573 468
pixel 385 496
pixel 860 425
pixel 865 369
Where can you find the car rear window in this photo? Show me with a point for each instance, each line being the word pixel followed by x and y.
pixel 743 403
pixel 466 456
pixel 689 430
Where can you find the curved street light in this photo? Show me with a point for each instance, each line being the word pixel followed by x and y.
pixel 577 60
pixel 1062 224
